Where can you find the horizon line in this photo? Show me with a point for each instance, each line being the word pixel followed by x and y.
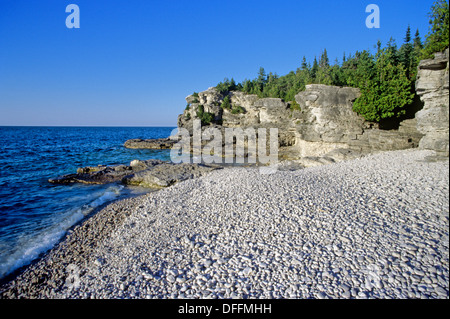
pixel 88 125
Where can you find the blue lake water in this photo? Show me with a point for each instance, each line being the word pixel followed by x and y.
pixel 34 214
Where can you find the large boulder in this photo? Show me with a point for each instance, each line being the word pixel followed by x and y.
pixel 328 114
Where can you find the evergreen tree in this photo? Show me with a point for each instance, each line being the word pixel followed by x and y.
pixel 359 70
pixel 226 103
pixel 304 64
pixel 437 38
pixel 247 86
pixel 417 42
pixel 324 62
pixel 314 69
pixel 392 51
pixel 262 76
pixel 336 75
pixel 406 54
pixel 387 93
pixel 417 52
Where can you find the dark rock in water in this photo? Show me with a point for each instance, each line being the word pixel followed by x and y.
pixel 150 173
pixel 155 144
pixel 166 174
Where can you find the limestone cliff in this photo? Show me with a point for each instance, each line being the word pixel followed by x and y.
pixel 325 125
pixel 322 126
pixel 433 88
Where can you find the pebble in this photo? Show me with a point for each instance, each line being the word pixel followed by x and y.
pixel 336 231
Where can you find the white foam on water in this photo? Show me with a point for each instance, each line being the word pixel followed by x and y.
pixel 28 249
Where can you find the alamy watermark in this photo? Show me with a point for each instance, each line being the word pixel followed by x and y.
pixel 206 146
pixel 73 19
pixel 373 19
pixel 73 277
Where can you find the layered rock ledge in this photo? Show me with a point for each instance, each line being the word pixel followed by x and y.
pixel 149 173
pixel 433 88
pixel 155 144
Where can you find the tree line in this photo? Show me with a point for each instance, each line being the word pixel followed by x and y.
pixel 386 78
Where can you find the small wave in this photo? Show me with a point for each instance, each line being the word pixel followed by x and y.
pixel 28 249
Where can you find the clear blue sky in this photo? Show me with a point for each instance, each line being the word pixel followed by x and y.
pixel 132 63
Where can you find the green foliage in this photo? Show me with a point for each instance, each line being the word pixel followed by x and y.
pixel 237 110
pixel 226 103
pixel 408 54
pixel 386 77
pixel 227 86
pixel 437 38
pixel 358 70
pixel 205 117
pixel 387 93
pixel 294 106
pixel 188 107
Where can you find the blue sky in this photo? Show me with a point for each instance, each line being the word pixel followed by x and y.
pixel 132 63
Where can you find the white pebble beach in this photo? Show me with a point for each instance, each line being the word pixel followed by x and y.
pixel 375 227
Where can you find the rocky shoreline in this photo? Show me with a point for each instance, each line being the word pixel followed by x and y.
pixel 150 173
pixel 375 227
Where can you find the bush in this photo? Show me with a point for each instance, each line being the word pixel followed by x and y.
pixel 226 104
pixel 386 96
pixel 205 117
pixel 295 106
pixel 237 110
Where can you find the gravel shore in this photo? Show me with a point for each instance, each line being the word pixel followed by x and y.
pixel 376 227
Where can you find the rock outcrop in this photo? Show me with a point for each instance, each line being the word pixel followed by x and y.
pixel 324 129
pixel 150 173
pixel 432 86
pixel 160 143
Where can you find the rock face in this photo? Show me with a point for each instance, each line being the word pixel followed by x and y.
pixel 433 88
pixel 150 173
pixel 325 127
pixel 328 114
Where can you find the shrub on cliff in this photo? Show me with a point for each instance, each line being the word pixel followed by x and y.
pixel 237 110
pixel 226 104
pixel 205 117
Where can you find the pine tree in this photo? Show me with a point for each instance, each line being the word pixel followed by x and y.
pixel 324 62
pixel 438 37
pixel 417 41
pixel 392 51
pixel 304 64
pixel 387 93
pixel 406 54
pixel 314 69
pixel 262 76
